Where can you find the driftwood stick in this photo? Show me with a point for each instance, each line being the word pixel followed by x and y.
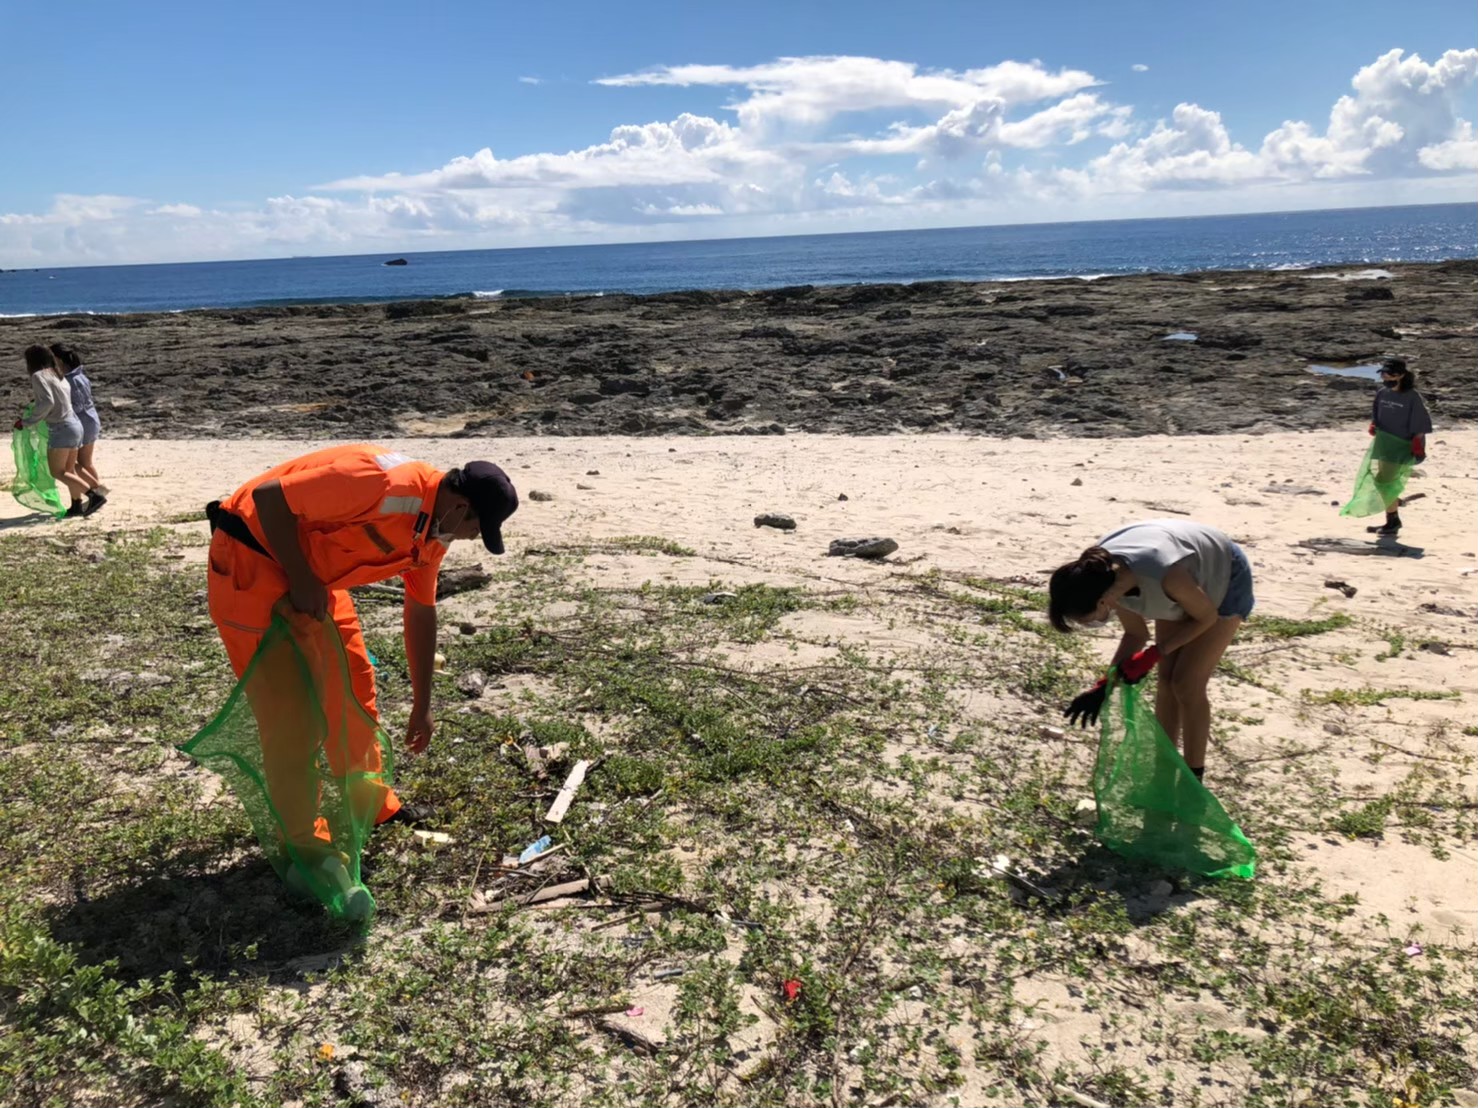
pixel 567 792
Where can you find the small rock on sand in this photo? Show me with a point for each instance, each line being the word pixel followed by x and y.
pixel 861 548
pixel 777 520
pixel 473 682
pixel 539 496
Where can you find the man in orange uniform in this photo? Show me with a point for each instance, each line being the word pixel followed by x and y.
pixel 295 539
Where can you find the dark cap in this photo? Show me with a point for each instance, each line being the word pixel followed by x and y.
pixel 1392 364
pixel 493 498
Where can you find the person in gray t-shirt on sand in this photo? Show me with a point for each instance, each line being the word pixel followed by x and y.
pixel 1398 410
pixel 1194 582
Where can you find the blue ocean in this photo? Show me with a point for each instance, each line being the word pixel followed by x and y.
pixel 1286 240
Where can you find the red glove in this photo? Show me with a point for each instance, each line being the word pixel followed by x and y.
pixel 1419 448
pixel 1371 428
pixel 1134 669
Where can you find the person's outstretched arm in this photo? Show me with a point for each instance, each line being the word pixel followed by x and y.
pixel 420 658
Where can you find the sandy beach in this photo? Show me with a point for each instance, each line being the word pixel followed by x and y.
pixel 1011 509
pixel 1342 741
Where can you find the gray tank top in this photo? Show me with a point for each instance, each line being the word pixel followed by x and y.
pixel 1153 548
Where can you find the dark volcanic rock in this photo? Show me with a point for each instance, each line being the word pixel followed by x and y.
pixel 862 359
pixel 1376 292
pixel 778 520
pixel 861 548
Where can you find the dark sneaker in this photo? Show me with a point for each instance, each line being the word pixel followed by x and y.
pixel 95 500
pixel 412 815
pixel 76 511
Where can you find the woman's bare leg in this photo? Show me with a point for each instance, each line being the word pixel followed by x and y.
pixel 1167 708
pixel 1197 662
pixel 63 466
pixel 85 467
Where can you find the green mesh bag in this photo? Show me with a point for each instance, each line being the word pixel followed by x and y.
pixel 283 743
pixel 1150 805
pixel 34 485
pixel 1382 477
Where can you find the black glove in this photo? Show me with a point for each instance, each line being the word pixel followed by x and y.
pixel 1084 709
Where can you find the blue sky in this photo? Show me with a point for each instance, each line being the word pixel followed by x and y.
pixel 164 131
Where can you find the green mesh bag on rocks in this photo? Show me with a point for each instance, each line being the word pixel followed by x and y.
pixel 283 744
pixel 1150 805
pixel 34 485
pixel 1382 477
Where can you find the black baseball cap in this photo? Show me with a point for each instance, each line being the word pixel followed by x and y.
pixel 493 498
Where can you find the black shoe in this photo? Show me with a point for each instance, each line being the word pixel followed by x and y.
pixel 412 815
pixel 95 500
pixel 1392 526
pixel 76 511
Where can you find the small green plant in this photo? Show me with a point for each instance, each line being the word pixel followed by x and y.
pixel 1366 822
pixel 1395 644
pixel 650 544
pixel 1230 667
pixel 1279 627
pixel 1368 697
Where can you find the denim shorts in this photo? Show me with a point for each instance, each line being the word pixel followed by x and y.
pixel 64 435
pixel 91 427
pixel 1238 600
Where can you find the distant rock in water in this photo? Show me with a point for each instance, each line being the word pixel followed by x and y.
pixel 396 261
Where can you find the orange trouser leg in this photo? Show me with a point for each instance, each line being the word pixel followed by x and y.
pixel 243 590
pixel 360 752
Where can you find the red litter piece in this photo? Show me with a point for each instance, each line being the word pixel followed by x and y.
pixel 792 988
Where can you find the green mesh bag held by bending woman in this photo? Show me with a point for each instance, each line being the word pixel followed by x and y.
pixel 1382 477
pixel 34 486
pixel 282 744
pixel 1151 807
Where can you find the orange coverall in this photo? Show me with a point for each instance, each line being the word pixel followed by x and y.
pixel 364 515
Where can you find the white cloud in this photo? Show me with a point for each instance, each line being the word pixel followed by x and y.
pixel 807 92
pixel 1401 122
pixel 1401 106
pixel 69 210
pixel 1140 67
pixel 689 149
pixel 831 143
pixel 1456 153
pixel 531 80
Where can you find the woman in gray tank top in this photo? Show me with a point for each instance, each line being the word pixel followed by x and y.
pixel 1194 582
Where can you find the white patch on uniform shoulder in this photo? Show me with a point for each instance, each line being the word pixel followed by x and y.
pixel 400 506
pixel 390 461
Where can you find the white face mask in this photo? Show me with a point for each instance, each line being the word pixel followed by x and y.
pixel 441 536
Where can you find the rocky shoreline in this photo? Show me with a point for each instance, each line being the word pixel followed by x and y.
pixel 1025 358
